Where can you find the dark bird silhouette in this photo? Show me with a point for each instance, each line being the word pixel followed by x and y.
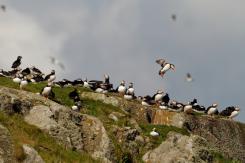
pixel 174 17
pixel 17 63
pixel 57 62
pixel 188 77
pixel 3 7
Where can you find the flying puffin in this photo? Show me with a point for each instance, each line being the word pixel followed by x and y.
pixel 211 110
pixel 3 7
pixel 174 17
pixel 154 133
pixel 165 68
pixel 121 89
pixel 50 77
pixel 230 112
pixel 188 77
pixel 46 90
pixel 17 63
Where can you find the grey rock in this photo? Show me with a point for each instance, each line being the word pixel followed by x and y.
pixel 31 155
pixel 6 146
pixel 179 148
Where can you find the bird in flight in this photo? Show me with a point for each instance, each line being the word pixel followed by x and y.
pixel 165 66
pixel 3 8
pixel 54 61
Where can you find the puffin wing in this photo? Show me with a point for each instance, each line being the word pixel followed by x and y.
pixel 160 62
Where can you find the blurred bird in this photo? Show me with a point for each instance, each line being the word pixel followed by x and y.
pixel 174 17
pixel 17 62
pixel 188 77
pixel 160 62
pixel 165 68
pixel 54 61
pixel 3 7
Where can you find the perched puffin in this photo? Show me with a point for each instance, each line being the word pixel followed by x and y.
pixel 85 83
pixel 158 96
pixel 147 101
pixel 163 106
pixel 154 133
pixel 130 90
pixel 74 94
pixel 50 77
pixel 46 90
pixel 165 68
pixel 176 106
pixel 37 78
pixel 211 110
pixel 36 70
pixel 230 112
pixel 121 89
pixel 166 98
pixel 78 82
pixel 26 71
pixel 188 108
pixel 24 82
pixel 4 73
pixel 77 106
pixel 107 79
pixel 17 63
pixel 17 80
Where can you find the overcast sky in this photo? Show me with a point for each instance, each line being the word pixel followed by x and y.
pixel 124 38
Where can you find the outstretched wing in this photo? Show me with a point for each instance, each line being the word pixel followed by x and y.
pixel 160 62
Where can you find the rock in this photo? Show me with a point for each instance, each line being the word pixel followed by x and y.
pixel 74 130
pixel 179 148
pixel 6 146
pixel 31 155
pixel 139 139
pixel 101 97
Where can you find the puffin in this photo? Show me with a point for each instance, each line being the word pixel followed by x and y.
pixel 24 82
pixel 17 80
pixel 161 62
pixel 3 7
pixel 230 112
pixel 26 71
pixel 211 110
pixel 174 17
pixel 147 101
pixel 77 82
pixel 36 70
pixel 77 106
pixel 50 77
pixel 154 133
pixel 4 73
pixel 188 77
pixel 85 83
pixel 46 90
pixel 158 96
pixel 17 62
pixel 176 106
pixel 188 108
pixel 166 98
pixel 165 68
pixel 163 106
pixel 121 89
pixel 130 90
pixel 107 79
pixel 197 108
pixel 74 94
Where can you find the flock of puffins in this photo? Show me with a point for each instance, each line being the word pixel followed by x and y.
pixel 159 99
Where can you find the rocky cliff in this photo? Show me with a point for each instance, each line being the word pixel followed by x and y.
pixel 110 129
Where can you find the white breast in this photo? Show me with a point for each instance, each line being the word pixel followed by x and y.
pixel 163 107
pixel 23 83
pixel 121 89
pixel 166 67
pixel 74 107
pixel 154 133
pixel 158 97
pixel 17 80
pixel 51 78
pixel 46 90
pixel 128 97
pixel 86 85
pixel 130 91
pixel 212 111
pixel 188 108
pixel 234 114
pixel 144 103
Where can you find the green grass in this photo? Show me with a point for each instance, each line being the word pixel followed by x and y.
pixel 219 158
pixel 49 150
pixel 163 130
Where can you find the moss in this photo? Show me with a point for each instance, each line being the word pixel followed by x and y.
pixel 46 146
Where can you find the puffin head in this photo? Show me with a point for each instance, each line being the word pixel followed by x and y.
pixel 19 57
pixel 237 109
pixel 215 105
pixel 53 72
pixel 154 129
pixel 160 91
pixel 130 85
pixel 172 67
pixel 122 83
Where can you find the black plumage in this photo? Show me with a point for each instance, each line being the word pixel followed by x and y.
pixel 17 63
pixel 74 94
pixel 26 72
pixel 227 111
pixel 36 70
pixel 166 99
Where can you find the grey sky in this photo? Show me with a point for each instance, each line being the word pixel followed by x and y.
pixel 124 38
